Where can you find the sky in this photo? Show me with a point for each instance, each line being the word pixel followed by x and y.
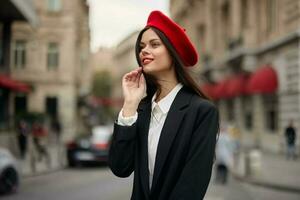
pixel 112 20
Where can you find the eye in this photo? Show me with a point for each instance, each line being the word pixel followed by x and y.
pixel 155 44
pixel 141 47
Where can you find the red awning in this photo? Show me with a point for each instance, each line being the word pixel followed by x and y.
pixel 237 86
pixel 231 87
pixel 221 89
pixel 263 81
pixel 105 101
pixel 7 82
pixel 209 90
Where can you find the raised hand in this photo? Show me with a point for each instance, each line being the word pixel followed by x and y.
pixel 134 89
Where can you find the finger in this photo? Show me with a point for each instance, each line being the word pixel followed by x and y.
pixel 127 77
pixel 135 76
pixel 142 80
pixel 139 72
pixel 138 78
pixel 135 70
pixel 133 73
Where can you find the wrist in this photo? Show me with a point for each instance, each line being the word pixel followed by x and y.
pixel 129 109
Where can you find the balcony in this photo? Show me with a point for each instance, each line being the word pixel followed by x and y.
pixel 11 10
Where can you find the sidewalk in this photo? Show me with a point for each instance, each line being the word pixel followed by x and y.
pixel 31 166
pixel 274 171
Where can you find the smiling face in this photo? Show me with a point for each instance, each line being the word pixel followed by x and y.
pixel 154 56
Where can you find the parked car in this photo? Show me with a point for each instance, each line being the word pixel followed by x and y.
pixel 9 172
pixel 89 148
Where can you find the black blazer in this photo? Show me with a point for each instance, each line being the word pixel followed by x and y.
pixel 185 151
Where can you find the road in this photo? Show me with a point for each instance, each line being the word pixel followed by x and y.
pixel 92 183
pixel 74 184
pixel 236 190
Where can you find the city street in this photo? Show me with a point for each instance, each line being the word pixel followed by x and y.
pixel 74 184
pixel 99 184
pixel 214 67
pixel 236 190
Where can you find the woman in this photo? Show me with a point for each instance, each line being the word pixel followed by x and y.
pixel 224 155
pixel 166 130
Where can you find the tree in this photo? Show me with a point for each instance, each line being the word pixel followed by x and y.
pixel 102 89
pixel 102 84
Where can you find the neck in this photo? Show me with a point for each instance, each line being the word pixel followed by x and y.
pixel 167 84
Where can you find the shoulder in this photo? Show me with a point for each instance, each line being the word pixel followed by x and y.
pixel 197 105
pixel 202 105
pixel 203 110
pixel 197 102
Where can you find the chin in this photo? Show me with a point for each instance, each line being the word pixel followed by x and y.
pixel 149 71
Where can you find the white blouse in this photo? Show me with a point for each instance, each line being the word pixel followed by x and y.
pixel 158 116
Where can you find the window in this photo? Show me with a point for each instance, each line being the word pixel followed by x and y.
pixel 54 5
pixel 244 14
pixel 292 70
pixel 83 59
pixel 4 98
pixel 271 112
pixel 291 12
pixel 230 110
pixel 52 107
pixel 271 120
pixel 271 15
pixel 53 56
pixel 20 54
pixel 248 120
pixel 20 104
pixel 247 103
pixel 226 26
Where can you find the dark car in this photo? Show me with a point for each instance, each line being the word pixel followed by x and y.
pixel 90 148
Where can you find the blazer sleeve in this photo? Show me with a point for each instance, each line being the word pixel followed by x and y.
pixel 195 177
pixel 122 150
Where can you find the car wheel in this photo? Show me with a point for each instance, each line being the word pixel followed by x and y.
pixel 9 181
pixel 71 163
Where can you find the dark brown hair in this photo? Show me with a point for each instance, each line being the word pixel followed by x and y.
pixel 181 73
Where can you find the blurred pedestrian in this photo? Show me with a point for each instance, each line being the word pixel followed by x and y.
pixel 290 136
pixel 166 131
pixel 224 156
pixel 22 131
pixel 39 134
pixel 56 128
pixel 235 136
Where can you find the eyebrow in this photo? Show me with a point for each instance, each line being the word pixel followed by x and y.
pixel 150 40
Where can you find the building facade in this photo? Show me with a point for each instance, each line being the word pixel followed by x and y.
pixel 53 59
pixel 10 12
pixel 250 61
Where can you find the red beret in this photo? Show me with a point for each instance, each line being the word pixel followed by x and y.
pixel 176 35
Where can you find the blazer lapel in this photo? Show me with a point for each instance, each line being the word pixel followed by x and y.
pixel 144 115
pixel 169 131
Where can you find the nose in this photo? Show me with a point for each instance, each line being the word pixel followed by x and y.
pixel 145 51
